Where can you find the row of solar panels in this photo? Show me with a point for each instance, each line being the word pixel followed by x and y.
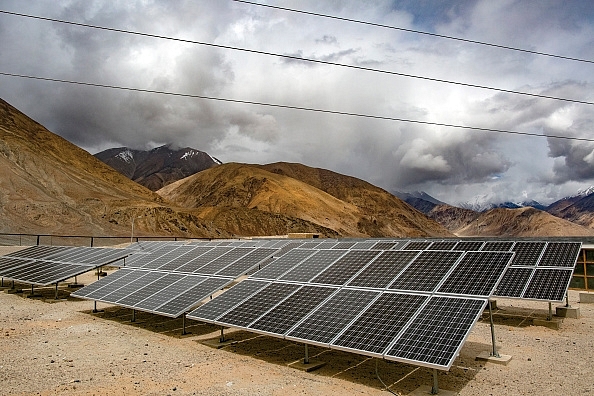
pixel 46 265
pixel 412 328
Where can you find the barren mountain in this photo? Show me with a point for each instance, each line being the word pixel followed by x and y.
pixel 577 209
pixel 157 167
pixel 523 222
pixel 50 186
pixel 307 199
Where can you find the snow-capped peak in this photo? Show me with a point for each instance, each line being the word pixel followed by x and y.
pixel 126 156
pixel 585 192
pixel 189 154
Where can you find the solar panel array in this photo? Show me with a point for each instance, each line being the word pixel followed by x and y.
pixel 171 278
pixel 46 265
pixel 364 301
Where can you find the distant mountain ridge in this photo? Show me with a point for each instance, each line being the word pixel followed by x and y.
pixel 158 167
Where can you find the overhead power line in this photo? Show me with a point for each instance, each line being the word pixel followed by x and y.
pixel 289 107
pixel 417 32
pixel 298 58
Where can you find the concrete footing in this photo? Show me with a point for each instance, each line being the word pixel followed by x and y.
pixel 568 312
pixel 13 291
pixel 75 285
pixel 307 367
pixel 586 297
pixel 426 390
pixel 485 356
pixel 554 324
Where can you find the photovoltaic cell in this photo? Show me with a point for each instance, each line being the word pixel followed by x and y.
pixel 283 264
pixel 497 246
pixel 548 284
pixel 560 254
pixel 384 245
pixel 468 246
pixel 169 293
pixel 323 325
pixel 194 265
pixel 527 253
pixel 443 245
pixel 514 282
pixel 103 282
pixel 111 286
pixel 258 304
pixel 436 335
pixel 221 262
pixel 160 261
pixel 7 263
pixel 426 271
pixel 343 245
pixel 218 306
pixel 382 271
pixel 247 262
pixel 417 245
pixel 312 265
pixel 285 315
pixel 176 263
pixel 189 299
pixel 345 267
pixel 375 329
pixel 131 287
pixel 477 273
pixel 145 292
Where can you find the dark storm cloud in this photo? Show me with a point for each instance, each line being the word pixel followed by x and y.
pixel 452 164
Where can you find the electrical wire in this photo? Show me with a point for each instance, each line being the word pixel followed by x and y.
pixel 299 58
pixel 380 380
pixel 281 106
pixel 417 32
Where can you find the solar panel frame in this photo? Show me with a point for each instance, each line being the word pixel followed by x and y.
pixel 194 265
pixel 560 254
pixel 99 283
pixel 384 269
pixel 247 262
pixel 443 245
pixel 346 267
pixel 149 290
pixel 497 246
pixel 150 304
pixel 417 245
pixel 427 271
pixel 284 264
pixel 468 246
pixel 514 282
pixel 527 253
pixel 548 284
pixel 312 265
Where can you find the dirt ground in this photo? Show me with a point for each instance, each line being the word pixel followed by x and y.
pixel 50 347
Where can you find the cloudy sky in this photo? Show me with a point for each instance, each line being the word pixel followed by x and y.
pixel 451 164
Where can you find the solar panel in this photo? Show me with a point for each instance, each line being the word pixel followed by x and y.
pixel 426 271
pixel 477 273
pixel 160 260
pixel 527 253
pixel 247 262
pixel 189 299
pixel 468 246
pixel 150 289
pixel 222 261
pixel 344 245
pixel 326 245
pixel 284 264
pixel 131 287
pixel 560 254
pixel 257 305
pixel 498 246
pixel 346 267
pixel 443 245
pixel 384 245
pixel 218 306
pixel 548 284
pixel 514 282
pixel 202 260
pixel 365 245
pixel 286 314
pixel 58 273
pixel 151 303
pixel 178 262
pixel 102 282
pixel 373 331
pixel 38 252
pixel 330 319
pixel 110 285
pixel 7 263
pixel 417 245
pixel 312 266
pixel 436 334
pixel 382 271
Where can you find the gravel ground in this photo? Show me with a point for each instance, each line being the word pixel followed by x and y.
pixel 50 347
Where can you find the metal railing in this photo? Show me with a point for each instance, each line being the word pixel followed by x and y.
pixel 76 240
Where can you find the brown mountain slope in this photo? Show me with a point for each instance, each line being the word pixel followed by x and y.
pixel 522 222
pixel 48 185
pixel 452 217
pixel 365 211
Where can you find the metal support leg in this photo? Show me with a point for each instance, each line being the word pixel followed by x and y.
pixel 567 301
pixel 133 315
pixel 306 359
pixel 435 387
pixel 32 291
pixel 550 317
pixel 494 352
pixel 95 307
pixel 222 337
pixel 56 291
pixel 184 324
